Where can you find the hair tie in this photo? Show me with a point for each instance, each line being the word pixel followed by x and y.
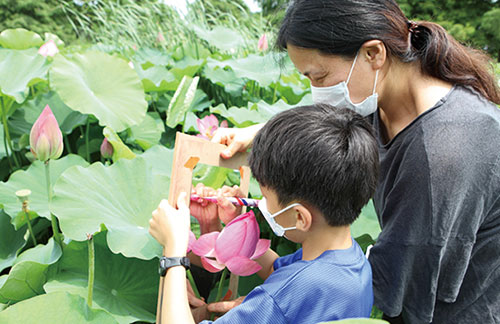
pixel 412 26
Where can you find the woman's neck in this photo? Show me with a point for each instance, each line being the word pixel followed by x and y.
pixel 405 94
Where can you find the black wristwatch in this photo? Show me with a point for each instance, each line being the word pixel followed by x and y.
pixel 166 263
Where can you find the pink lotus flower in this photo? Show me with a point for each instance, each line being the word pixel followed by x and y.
pixel 160 38
pixel 235 247
pixel 48 49
pixel 208 125
pixel 46 139
pixel 262 45
pixel 106 149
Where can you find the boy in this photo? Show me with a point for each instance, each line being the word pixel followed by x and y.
pixel 317 167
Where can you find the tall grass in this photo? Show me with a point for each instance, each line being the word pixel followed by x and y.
pixel 129 24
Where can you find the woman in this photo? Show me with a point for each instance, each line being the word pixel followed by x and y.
pixel 430 100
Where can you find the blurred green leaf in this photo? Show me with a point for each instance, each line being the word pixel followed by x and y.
pixel 34 179
pixel 51 308
pixel 20 69
pixel 120 150
pixel 367 222
pixel 147 133
pixel 180 103
pixel 100 84
pixel 29 273
pixel 125 287
pixel 223 38
pixel 19 39
pixel 121 196
pixel 11 241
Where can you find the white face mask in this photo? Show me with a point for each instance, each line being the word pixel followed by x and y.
pixel 277 228
pixel 338 96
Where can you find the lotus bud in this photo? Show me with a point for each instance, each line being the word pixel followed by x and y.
pixel 46 139
pixel 262 45
pixel 48 49
pixel 106 149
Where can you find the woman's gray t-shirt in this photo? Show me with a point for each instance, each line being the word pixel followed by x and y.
pixel 438 256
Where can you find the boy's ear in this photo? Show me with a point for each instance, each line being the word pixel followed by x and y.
pixel 303 218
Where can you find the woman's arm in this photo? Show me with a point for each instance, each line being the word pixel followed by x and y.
pixel 266 261
pixel 170 227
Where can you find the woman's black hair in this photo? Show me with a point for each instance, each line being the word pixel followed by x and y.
pixel 340 27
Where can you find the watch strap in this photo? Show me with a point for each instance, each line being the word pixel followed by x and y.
pixel 169 262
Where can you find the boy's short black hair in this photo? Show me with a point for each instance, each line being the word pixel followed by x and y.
pixel 320 155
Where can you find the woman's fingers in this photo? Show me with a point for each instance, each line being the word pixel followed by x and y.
pixel 226 306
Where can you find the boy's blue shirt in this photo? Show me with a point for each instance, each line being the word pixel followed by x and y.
pixel 336 285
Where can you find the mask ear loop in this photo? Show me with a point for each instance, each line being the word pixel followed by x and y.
pixel 284 210
pixel 375 84
pixel 352 68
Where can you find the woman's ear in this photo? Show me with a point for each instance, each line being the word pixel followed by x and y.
pixel 374 52
pixel 303 220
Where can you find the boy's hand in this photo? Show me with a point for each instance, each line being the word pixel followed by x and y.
pixel 170 226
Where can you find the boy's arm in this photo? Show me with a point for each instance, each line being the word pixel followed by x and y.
pixel 266 261
pixel 170 227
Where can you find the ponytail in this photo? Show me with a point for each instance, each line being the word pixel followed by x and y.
pixel 442 57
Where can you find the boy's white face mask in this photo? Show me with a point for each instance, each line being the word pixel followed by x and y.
pixel 338 96
pixel 277 228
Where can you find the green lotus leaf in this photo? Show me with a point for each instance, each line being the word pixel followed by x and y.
pixel 43 254
pixel 125 287
pixel 54 308
pixel 225 78
pixel 49 36
pixel 263 69
pixel 190 124
pixel 156 78
pixel 240 117
pixel 148 57
pixel 121 196
pixel 34 179
pixel 19 39
pixel 188 66
pixel 11 241
pixel 181 102
pixel 200 101
pixel 20 69
pixel 366 223
pixel 223 38
pixel 120 150
pixel 100 84
pixel 29 273
pixel 160 159
pixel 147 133
pixel 210 176
pixel 67 118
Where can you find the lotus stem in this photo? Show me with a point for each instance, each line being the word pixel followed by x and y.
pixel 219 290
pixel 90 242
pixel 53 219
pixel 23 196
pixel 193 284
pixel 87 148
pixel 7 133
pixel 30 228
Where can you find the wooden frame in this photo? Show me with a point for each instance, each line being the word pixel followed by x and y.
pixel 188 152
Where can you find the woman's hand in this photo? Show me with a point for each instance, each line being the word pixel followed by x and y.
pixel 225 306
pixel 209 214
pixel 236 139
pixel 170 226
